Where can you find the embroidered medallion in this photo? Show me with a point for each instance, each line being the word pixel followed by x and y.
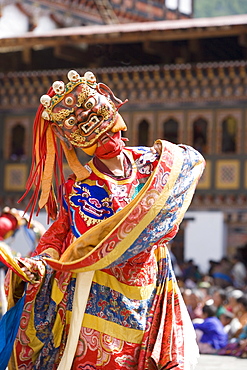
pixel 92 202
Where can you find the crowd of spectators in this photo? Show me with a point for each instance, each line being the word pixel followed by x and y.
pixel 217 304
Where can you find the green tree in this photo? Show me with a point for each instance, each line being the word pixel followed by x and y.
pixel 215 8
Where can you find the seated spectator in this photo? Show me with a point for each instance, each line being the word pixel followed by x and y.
pixel 226 319
pixel 211 335
pixel 232 296
pixel 205 288
pixel 219 297
pixel 240 312
pixel 194 303
pixel 233 307
pixel 237 347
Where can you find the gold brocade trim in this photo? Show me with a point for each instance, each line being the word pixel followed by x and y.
pixel 34 342
pixel 89 220
pixel 68 88
pixel 83 95
pixel 52 253
pixel 129 291
pixel 104 112
pixel 77 138
pixel 198 170
pixel 57 294
pixel 61 115
pixel 112 329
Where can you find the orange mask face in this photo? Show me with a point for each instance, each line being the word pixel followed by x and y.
pixel 84 115
pixel 83 111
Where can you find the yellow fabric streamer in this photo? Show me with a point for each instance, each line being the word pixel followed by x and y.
pixel 48 170
pixel 11 262
pixel 37 152
pixel 74 163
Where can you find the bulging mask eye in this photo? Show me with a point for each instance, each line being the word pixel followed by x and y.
pixel 69 100
pixel 90 103
pixel 70 122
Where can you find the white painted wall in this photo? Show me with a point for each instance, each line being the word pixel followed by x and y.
pixel 204 238
pixel 184 6
pixel 172 4
pixel 13 22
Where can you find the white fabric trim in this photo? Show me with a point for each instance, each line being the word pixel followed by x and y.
pixel 191 350
pixel 3 298
pixel 82 289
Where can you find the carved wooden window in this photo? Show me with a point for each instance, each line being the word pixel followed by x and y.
pixel 17 143
pixel 143 133
pixel 200 135
pixel 229 135
pixel 170 132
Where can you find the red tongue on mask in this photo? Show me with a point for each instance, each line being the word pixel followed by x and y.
pixel 112 148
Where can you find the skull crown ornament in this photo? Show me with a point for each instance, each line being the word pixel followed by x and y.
pixel 73 76
pixel 60 89
pixel 82 110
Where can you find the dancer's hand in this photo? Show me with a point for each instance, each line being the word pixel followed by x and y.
pixel 156 148
pixel 29 267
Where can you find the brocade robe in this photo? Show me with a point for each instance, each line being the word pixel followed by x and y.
pixel 107 297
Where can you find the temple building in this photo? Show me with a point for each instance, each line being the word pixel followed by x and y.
pixel 185 80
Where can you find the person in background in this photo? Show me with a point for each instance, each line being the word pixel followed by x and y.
pixel 10 222
pixel 221 273
pixel 211 335
pixel 226 319
pixel 102 293
pixel 238 272
pixel 237 346
pixel 212 265
pixel 232 297
pixel 219 297
pixel 232 308
pixel 240 311
pixel 194 302
pixel 191 274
